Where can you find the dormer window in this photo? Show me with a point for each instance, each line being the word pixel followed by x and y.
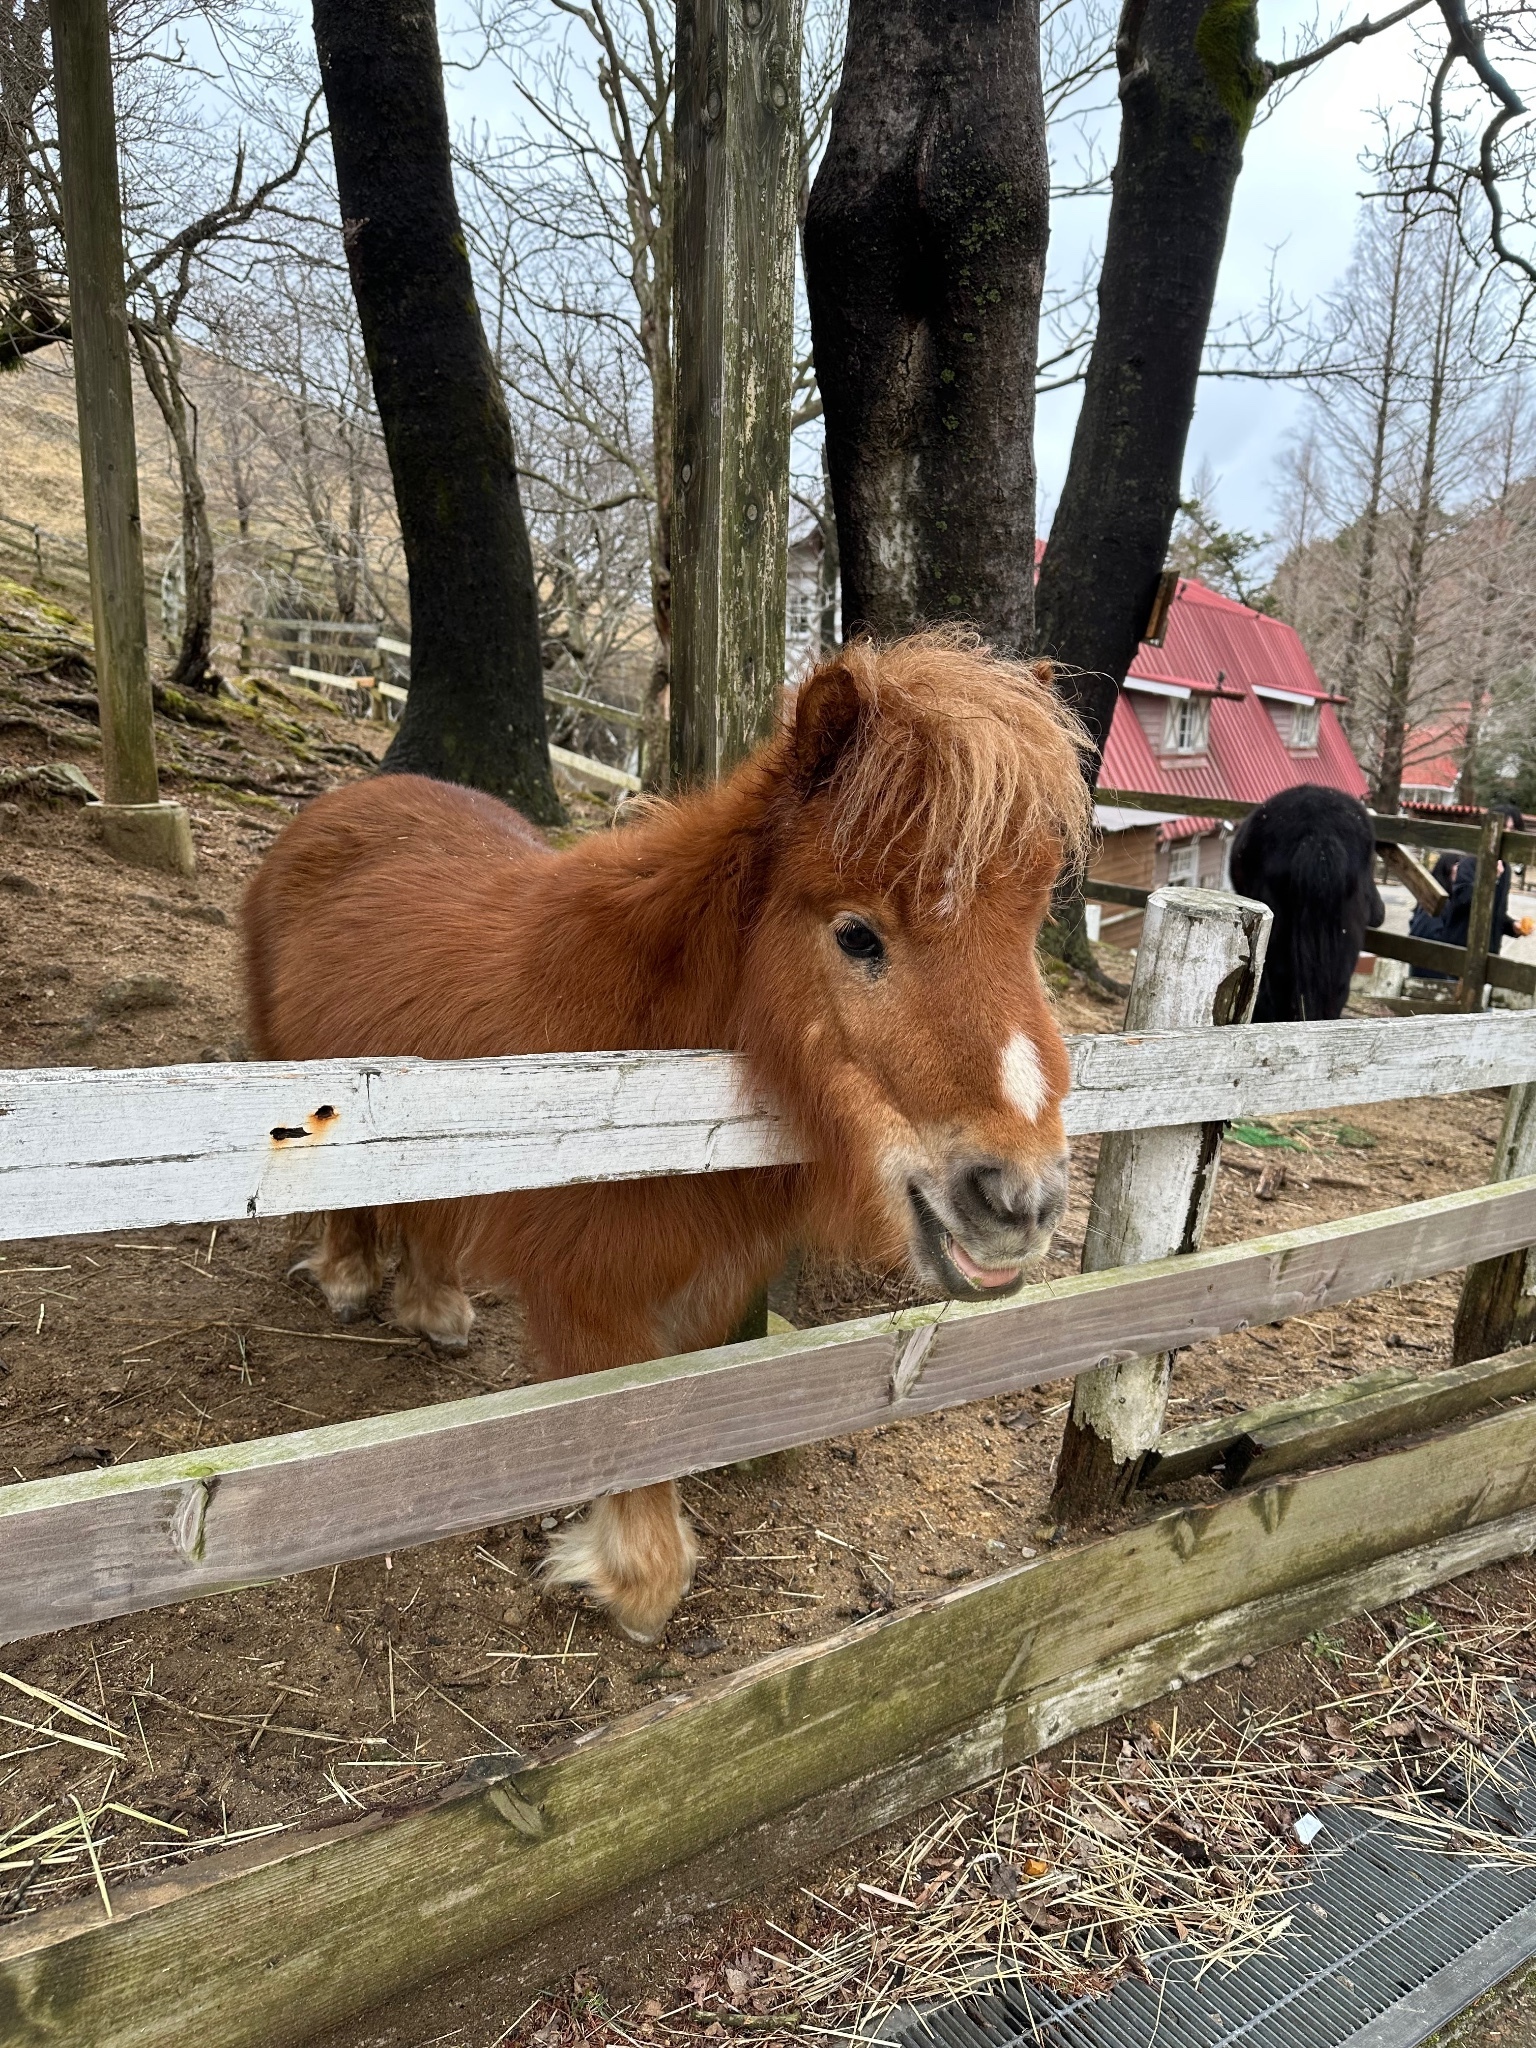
pixel 1187 726
pixel 1294 717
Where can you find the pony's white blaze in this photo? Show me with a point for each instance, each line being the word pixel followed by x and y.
pixel 1023 1077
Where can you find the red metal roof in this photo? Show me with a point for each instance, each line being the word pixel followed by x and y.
pixel 1212 643
pixel 1432 753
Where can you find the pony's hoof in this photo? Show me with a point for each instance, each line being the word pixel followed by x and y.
pixel 634 1557
pixel 440 1313
pixel 345 1292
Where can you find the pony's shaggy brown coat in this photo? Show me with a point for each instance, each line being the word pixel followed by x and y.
pixel 925 790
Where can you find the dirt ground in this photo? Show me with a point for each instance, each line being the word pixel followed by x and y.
pixel 294 1704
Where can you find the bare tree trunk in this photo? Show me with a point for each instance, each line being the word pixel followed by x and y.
pixel 475 713
pixel 1388 781
pixel 1190 80
pixel 1495 595
pixel 1370 518
pixel 159 353
pixel 655 295
pixel 827 574
pixel 925 245
pixel 347 571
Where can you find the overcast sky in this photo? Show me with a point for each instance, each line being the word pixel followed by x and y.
pixel 1299 195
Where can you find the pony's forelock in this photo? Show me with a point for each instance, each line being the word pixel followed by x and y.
pixel 960 763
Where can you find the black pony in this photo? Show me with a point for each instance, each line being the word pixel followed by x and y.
pixel 1308 854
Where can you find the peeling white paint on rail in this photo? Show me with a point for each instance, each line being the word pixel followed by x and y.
pixel 86 1150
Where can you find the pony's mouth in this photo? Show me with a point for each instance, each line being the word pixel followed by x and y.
pixel 950 1264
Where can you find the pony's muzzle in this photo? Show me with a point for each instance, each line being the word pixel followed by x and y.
pixel 1001 1200
pixel 991 1217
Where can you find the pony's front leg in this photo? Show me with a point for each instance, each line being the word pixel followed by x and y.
pixel 634 1553
pixel 429 1298
pixel 348 1262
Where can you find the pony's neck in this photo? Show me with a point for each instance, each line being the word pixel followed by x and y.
pixel 662 912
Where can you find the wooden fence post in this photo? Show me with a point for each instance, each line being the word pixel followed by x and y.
pixel 1497 1308
pixel 737 141
pixel 133 821
pixel 1469 990
pixel 1199 962
pixel 738 167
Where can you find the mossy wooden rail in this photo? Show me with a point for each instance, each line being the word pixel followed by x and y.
pixel 145 1535
pixel 265 1947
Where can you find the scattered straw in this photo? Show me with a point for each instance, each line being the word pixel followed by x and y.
pixel 1075 1870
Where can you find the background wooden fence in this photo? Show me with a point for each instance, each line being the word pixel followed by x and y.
pixel 367 667
pixel 1474 967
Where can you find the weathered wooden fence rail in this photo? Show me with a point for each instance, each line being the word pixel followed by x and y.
pixel 85 1149
pixel 145 1535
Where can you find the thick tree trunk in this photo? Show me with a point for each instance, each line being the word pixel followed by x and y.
pixel 925 246
pixel 475 713
pixel 1189 83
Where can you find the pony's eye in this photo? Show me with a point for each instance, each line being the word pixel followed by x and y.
pixel 859 941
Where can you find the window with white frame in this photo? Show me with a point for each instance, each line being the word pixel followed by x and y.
pixel 1184 864
pixel 1295 723
pixel 1304 718
pixel 1187 729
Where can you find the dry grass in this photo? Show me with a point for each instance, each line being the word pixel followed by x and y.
pixel 43 1853
pixel 1075 1870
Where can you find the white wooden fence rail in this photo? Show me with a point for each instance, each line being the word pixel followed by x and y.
pixel 90 1150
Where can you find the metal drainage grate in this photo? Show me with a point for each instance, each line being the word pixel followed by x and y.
pixel 1387 1943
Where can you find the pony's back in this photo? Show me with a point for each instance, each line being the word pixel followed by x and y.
pixel 369 881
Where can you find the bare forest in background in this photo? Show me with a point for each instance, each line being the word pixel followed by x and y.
pixel 1404 549
pixel 1408 516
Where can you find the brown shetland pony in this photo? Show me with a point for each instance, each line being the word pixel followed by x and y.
pixel 854 910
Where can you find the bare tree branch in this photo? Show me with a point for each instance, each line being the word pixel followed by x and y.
pixel 1288 66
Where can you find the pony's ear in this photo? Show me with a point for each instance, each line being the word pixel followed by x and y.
pixel 828 707
pixel 1044 672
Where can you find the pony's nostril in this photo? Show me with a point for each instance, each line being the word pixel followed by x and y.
pixel 1008 1197
pixel 992 1193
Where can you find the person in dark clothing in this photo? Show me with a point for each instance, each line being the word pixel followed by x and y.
pixel 1458 878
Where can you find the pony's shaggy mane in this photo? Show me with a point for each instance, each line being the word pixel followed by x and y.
pixel 960 763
